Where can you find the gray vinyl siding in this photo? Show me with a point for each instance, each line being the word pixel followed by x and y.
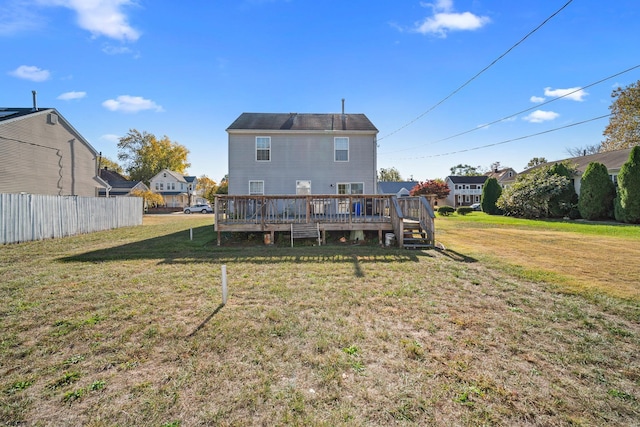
pixel 40 156
pixel 301 156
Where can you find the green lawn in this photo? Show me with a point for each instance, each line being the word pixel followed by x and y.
pixel 579 256
pixel 125 327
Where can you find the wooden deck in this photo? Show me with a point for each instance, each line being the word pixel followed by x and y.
pixel 381 213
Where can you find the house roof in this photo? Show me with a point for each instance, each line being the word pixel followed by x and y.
pixel 12 113
pixel 112 177
pixel 613 160
pixel 302 122
pixel 394 187
pixel 473 179
pixel 178 177
pixel 502 175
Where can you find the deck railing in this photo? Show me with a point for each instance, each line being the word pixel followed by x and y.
pixel 381 212
pixel 283 209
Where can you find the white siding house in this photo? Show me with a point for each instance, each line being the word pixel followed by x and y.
pixel 177 190
pixel 464 190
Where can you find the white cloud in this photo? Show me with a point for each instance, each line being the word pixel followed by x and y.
pixel 540 116
pixel 67 96
pixel 445 20
pixel 573 93
pixel 30 72
pixel 100 17
pixel 536 99
pixel 116 50
pixel 131 104
pixel 16 17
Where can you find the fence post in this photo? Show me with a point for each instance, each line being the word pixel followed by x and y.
pixel 224 285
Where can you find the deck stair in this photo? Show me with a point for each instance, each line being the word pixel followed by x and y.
pixel 415 235
pixel 305 231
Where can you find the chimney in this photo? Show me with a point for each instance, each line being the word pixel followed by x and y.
pixel 35 101
pixel 343 106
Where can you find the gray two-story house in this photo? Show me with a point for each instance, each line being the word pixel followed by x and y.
pixel 291 153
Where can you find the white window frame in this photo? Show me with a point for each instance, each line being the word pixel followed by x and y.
pixel 348 189
pixel 256 182
pixel 336 150
pixel 260 149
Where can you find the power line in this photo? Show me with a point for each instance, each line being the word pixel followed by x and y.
pixel 519 112
pixel 478 74
pixel 512 139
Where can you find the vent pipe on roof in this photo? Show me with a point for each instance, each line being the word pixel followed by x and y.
pixel 35 102
pixel 343 106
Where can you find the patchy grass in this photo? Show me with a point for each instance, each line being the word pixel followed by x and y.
pixel 125 327
pixel 583 257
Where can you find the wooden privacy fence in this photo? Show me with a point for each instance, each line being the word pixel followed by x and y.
pixel 27 217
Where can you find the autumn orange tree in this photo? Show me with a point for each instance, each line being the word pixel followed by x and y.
pixel 623 130
pixel 432 186
pixel 144 155
pixel 206 187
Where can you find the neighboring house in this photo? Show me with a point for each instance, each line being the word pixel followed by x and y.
pixel 465 190
pixel 118 185
pixel 505 176
pixel 282 154
pixel 399 188
pixel 177 190
pixel 41 153
pixel 613 160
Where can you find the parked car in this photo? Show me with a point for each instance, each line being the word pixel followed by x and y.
pixel 476 207
pixel 198 208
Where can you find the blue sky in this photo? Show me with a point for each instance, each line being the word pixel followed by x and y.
pixel 187 70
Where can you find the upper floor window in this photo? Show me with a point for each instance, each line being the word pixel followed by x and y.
pixel 341 149
pixel 263 148
pixel 256 187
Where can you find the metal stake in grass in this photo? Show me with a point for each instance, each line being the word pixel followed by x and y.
pixel 191 234
pixel 224 285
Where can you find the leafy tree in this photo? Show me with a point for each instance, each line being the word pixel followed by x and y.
pixel 106 162
pixel 597 192
pixel 223 188
pixel 623 130
pixel 530 196
pixel 536 161
pixel 491 192
pixel 627 203
pixel 144 155
pixel 432 186
pixel 465 170
pixel 583 151
pixel 150 198
pixel 207 187
pixel 389 174
pixel 565 203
